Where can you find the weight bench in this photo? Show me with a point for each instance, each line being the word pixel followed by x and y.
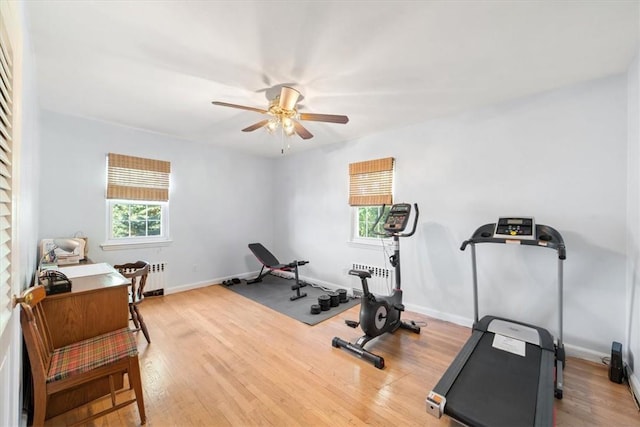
pixel 271 263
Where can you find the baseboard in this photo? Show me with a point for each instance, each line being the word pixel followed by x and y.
pixel 571 350
pixel 447 317
pixel 205 283
pixel 634 384
pixel 189 287
pixel 584 353
pixel 322 283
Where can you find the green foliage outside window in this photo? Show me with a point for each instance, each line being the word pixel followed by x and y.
pixel 136 220
pixel 367 217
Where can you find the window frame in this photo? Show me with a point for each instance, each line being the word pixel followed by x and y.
pixel 114 243
pixel 371 184
pixel 136 180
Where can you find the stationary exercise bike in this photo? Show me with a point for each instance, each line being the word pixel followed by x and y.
pixel 381 314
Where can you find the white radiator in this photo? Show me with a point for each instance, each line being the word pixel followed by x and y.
pixel 157 276
pixel 381 281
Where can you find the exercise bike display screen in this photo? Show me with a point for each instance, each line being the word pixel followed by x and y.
pixel 523 228
pixel 397 218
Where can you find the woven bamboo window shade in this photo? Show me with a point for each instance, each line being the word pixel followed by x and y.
pixel 137 178
pixel 371 182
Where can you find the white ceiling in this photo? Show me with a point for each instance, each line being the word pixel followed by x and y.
pixel 157 65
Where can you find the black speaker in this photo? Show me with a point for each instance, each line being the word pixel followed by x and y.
pixel 616 372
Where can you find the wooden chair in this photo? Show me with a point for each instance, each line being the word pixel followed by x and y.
pixel 57 369
pixel 137 272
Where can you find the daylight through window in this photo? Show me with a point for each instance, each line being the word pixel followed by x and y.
pixel 137 197
pixel 370 187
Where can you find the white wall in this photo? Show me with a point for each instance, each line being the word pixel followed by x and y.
pixel 559 156
pixel 220 200
pixel 633 224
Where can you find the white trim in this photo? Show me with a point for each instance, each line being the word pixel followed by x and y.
pixel 112 244
pixel 205 283
pixel 116 246
pixel 370 244
pixel 584 353
pixel 571 350
pixel 634 384
pixel 447 317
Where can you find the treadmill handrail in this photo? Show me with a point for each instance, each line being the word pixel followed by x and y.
pixel 548 237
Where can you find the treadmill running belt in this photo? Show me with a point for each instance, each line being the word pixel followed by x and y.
pixel 495 387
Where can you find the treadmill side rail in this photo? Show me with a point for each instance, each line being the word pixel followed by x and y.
pixel 435 404
pixel 436 399
pixel 544 404
pixel 559 383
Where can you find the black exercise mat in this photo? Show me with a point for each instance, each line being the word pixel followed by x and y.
pixel 275 292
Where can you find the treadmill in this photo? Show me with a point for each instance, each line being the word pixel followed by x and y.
pixel 508 372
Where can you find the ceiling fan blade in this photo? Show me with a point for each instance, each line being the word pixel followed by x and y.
pixel 242 107
pixel 288 98
pixel 255 126
pixel 330 118
pixel 301 130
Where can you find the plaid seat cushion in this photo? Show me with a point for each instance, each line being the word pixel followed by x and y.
pixel 92 353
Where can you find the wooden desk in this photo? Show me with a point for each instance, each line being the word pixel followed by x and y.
pixel 96 304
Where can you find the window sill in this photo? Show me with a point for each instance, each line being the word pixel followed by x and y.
pixel 370 243
pixel 115 246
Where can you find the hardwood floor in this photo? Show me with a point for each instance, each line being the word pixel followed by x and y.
pixel 218 359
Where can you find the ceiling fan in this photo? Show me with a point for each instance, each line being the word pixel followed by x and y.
pixel 283 112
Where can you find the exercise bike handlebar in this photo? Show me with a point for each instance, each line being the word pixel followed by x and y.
pixel 413 230
pixel 415 223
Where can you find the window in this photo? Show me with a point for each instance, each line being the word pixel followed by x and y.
pixel 370 187
pixel 6 157
pixel 137 200
pixel 365 220
pixel 137 219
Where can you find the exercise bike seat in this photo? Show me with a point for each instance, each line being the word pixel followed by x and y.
pixel 362 274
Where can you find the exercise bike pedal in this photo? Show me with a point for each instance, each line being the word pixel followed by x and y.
pixel 399 307
pixel 352 323
pixel 410 326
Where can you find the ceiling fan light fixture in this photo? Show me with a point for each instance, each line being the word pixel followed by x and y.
pixel 287 125
pixel 272 125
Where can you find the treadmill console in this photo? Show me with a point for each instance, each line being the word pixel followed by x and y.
pixel 397 218
pixel 515 228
